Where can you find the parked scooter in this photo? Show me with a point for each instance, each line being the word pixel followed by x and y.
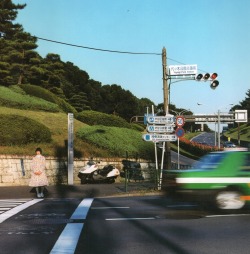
pixel 92 174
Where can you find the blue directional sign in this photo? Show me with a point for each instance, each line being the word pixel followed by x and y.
pixel 160 128
pixel 159 137
pixel 168 119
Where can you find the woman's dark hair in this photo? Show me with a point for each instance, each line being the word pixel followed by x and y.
pixel 39 149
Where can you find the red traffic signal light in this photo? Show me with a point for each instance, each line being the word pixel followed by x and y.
pixel 214 76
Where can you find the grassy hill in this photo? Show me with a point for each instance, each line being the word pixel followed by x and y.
pixel 49 113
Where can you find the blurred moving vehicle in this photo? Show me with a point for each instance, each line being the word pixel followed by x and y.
pixel 229 144
pixel 219 178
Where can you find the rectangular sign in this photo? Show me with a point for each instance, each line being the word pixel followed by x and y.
pixel 160 128
pixel 159 137
pixel 190 69
pixel 168 119
pixel 240 116
pixel 224 118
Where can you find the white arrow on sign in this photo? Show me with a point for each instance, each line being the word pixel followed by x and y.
pixel 159 137
pixel 160 128
pixel 161 119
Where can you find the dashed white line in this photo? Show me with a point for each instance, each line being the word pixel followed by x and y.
pixel 68 239
pixel 120 219
pixel 109 207
pixel 226 215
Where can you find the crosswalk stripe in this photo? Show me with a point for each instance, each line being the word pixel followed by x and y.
pixel 9 210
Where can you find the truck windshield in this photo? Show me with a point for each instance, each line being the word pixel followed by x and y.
pixel 209 161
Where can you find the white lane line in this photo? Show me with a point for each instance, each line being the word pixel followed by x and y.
pixel 17 209
pixel 226 215
pixel 117 219
pixel 82 210
pixel 173 206
pixel 67 241
pixel 110 207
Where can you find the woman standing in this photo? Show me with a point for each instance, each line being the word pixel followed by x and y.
pixel 38 175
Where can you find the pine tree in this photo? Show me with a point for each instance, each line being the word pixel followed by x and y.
pixel 16 46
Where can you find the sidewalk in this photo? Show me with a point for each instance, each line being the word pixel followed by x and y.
pixel 81 191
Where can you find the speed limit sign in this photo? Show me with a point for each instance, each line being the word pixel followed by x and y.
pixel 180 121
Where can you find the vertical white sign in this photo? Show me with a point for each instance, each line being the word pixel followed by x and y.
pixel 70 148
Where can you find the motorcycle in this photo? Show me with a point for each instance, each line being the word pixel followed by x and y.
pixel 91 174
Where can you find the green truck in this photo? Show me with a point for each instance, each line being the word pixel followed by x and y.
pixel 221 178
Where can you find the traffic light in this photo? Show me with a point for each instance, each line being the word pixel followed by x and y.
pixel 207 76
pixel 199 77
pixel 214 82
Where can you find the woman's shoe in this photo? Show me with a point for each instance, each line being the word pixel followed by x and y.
pixel 38 195
pixel 41 195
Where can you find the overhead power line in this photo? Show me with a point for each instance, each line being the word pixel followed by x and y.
pixel 107 50
pixel 98 49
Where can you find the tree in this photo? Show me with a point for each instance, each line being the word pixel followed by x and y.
pixel 16 46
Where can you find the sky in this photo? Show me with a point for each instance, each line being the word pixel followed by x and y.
pixel 214 34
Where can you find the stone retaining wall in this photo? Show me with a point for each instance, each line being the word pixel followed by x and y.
pixel 15 170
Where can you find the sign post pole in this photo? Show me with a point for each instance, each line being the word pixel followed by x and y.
pixel 70 148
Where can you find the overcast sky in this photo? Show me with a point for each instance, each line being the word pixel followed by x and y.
pixel 214 34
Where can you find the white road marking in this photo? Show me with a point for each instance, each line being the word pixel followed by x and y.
pixel 110 207
pixel 226 215
pixel 82 209
pixel 116 219
pixel 6 215
pixel 173 206
pixel 68 239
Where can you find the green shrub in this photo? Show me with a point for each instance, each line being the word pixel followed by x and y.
pixel 118 141
pixel 42 93
pixel 195 148
pixel 12 99
pixel 97 118
pixel 19 130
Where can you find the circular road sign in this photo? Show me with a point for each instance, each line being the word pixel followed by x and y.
pixel 179 132
pixel 180 121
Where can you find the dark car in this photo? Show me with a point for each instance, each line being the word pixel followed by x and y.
pixel 229 144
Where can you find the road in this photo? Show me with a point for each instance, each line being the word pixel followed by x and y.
pixel 206 138
pixel 111 225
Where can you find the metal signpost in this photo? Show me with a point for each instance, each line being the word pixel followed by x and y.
pixel 160 129
pixel 70 148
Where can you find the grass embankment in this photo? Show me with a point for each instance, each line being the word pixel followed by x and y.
pixel 109 136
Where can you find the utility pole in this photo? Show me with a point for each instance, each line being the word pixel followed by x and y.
pixel 166 100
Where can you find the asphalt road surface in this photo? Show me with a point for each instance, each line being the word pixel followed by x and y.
pixel 132 224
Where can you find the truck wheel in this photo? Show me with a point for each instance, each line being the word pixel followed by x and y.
pixel 229 199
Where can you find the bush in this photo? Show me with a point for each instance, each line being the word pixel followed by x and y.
pixel 10 98
pixel 19 130
pixel 42 93
pixel 91 117
pixel 118 141
pixel 195 148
